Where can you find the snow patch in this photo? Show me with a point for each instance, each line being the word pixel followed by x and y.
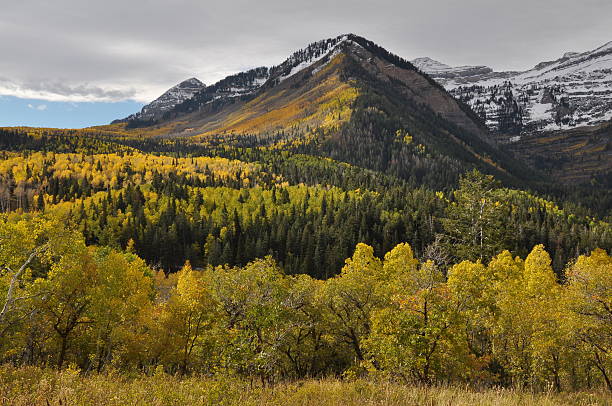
pixel 331 56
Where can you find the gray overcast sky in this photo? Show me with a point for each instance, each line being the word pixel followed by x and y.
pixel 112 50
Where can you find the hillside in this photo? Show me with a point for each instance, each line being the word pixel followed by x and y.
pixel 577 155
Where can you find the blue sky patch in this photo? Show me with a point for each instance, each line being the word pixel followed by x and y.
pixel 42 113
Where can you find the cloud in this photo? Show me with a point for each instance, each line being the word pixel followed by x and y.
pixel 54 91
pixel 40 107
pixel 74 50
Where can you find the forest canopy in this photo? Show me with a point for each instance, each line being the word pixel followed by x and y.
pixel 201 258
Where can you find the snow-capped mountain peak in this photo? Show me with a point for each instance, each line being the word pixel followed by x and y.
pixel 306 57
pixel 190 83
pixel 167 101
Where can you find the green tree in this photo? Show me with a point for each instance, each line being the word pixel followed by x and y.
pixel 476 223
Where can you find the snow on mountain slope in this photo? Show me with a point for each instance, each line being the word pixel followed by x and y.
pixel 306 57
pixel 572 91
pixel 237 85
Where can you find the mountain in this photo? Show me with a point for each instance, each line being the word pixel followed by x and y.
pixel 346 98
pixel 572 91
pixel 167 101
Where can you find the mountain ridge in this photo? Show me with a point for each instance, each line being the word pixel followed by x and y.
pixel 249 82
pixel 572 91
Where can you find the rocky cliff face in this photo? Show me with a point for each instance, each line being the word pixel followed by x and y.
pixel 446 72
pixel 572 91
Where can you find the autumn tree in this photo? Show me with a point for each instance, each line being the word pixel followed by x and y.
pixel 590 300
pixel 351 297
pixel 255 312
pixel 478 288
pixel 122 293
pixel 188 320
pixel 65 296
pixel 28 249
pixel 417 336
pixel 528 333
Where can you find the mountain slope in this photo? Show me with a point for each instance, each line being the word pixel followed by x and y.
pixel 308 63
pixel 572 91
pixel 349 99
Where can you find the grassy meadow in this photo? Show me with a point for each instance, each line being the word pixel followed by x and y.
pixel 29 386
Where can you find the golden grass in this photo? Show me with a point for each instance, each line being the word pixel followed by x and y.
pixel 34 386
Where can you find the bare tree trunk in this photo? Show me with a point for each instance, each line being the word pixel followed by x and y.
pixel 8 303
pixel 602 369
pixel 62 352
pixel 557 380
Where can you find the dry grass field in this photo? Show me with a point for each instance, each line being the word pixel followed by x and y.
pixel 34 386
